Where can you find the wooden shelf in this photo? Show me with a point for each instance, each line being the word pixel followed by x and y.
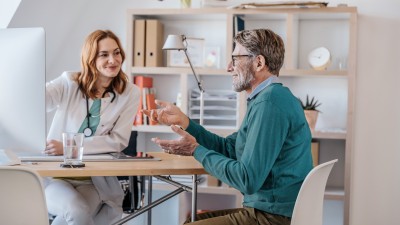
pixel 218 190
pixel 178 70
pixel 180 13
pixel 200 189
pixel 153 129
pixel 204 13
pixel 329 135
pixel 222 130
pixel 330 193
pixel 230 129
pixel 223 72
pixel 313 73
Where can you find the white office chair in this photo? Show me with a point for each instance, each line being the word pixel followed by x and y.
pixel 22 197
pixel 309 203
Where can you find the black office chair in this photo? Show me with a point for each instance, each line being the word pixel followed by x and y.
pixel 130 184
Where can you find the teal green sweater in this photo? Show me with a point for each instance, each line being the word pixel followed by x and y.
pixel 270 155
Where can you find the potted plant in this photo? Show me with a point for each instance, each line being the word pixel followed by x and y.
pixel 310 110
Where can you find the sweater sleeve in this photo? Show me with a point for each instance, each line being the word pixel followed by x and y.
pixel 211 141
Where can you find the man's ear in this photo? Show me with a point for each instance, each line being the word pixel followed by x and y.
pixel 260 63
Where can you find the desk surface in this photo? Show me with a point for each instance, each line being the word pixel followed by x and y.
pixel 168 165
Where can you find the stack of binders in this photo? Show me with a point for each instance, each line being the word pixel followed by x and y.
pixel 148 41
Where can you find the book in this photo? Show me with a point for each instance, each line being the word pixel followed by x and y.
pixel 142 82
pixel 151 104
pixel 145 91
pixel 238 25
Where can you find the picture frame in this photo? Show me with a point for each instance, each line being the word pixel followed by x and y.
pixel 195 50
pixel 212 55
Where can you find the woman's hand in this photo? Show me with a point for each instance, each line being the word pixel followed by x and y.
pixel 168 114
pixel 54 147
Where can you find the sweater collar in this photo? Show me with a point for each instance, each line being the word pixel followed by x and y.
pixel 272 79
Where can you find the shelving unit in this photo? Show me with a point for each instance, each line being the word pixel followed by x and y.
pixel 302 30
pixel 220 108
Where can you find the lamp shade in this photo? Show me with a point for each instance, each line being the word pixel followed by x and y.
pixel 174 42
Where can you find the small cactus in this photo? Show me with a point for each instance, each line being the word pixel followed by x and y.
pixel 310 104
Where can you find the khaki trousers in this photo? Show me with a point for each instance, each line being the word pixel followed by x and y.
pixel 240 216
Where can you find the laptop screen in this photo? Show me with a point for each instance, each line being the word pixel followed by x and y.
pixel 22 89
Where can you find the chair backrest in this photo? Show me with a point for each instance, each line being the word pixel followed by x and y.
pixel 22 197
pixel 310 200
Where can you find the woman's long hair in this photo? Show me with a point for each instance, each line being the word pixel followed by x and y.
pixel 89 74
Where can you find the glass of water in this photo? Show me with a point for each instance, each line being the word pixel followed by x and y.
pixel 73 148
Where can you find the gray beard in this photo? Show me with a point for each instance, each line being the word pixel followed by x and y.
pixel 244 80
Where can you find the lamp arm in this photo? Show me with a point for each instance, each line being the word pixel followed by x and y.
pixel 194 73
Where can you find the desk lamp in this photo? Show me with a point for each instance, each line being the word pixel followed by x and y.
pixel 175 42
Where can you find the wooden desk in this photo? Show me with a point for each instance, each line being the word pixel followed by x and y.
pixel 169 165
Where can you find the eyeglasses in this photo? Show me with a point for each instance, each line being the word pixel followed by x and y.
pixel 236 56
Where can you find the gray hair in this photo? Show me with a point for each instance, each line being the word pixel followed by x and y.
pixel 266 43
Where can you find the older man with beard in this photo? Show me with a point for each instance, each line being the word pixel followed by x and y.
pixel 268 158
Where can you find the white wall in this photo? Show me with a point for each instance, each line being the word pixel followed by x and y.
pixel 7 10
pixel 376 160
pixel 376 156
pixel 67 23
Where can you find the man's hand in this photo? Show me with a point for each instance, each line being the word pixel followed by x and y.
pixel 168 114
pixel 54 147
pixel 185 145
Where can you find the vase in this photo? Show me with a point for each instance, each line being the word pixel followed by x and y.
pixel 311 117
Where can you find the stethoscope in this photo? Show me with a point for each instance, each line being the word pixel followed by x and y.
pixel 88 131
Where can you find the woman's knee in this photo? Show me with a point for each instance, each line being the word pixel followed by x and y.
pixel 78 213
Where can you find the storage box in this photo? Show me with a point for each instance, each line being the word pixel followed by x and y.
pixel 212 181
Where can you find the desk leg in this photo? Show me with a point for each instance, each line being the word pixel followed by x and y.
pixel 132 192
pixel 149 198
pixel 142 191
pixel 150 205
pixel 194 198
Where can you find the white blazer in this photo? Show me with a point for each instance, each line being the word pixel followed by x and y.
pixel 116 118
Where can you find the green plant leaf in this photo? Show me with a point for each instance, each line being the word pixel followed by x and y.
pixel 310 104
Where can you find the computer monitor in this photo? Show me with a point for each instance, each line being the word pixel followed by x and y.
pixel 22 89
